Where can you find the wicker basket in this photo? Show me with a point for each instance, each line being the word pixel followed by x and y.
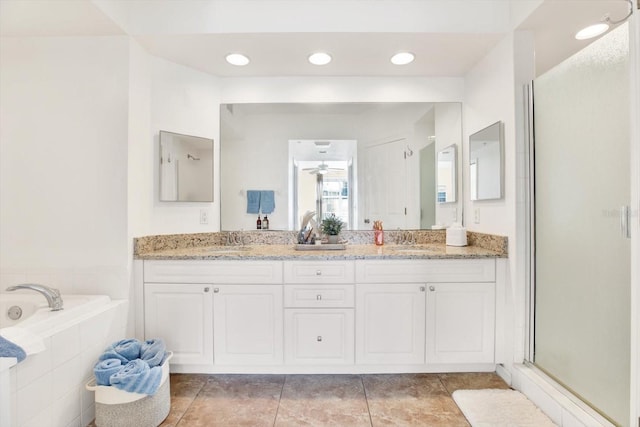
pixel 119 408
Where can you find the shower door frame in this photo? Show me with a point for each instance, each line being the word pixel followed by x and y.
pixel 634 225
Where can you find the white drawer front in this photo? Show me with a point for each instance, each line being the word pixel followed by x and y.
pixel 204 271
pixel 319 296
pixel 319 336
pixel 420 271
pixel 319 272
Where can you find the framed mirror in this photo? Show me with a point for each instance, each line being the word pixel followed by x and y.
pixel 380 160
pixel 447 174
pixel 486 163
pixel 186 168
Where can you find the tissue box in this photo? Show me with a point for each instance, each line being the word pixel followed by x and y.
pixel 456 236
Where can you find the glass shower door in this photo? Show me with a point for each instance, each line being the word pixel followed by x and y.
pixel 582 260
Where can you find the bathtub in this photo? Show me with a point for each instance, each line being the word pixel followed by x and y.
pixel 47 388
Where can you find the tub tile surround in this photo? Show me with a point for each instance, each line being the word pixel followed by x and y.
pixel 281 245
pixel 48 388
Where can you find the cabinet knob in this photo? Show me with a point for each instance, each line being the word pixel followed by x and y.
pixel 206 289
pixel 319 297
pixel 422 289
pixel 319 339
pixel 318 273
pixel 216 290
pixel 432 288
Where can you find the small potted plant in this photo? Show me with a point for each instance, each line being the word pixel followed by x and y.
pixel 331 226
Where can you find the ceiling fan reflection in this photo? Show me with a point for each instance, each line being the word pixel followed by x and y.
pixel 321 169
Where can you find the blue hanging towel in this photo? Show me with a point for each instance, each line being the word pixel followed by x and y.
pixel 267 201
pixel 253 202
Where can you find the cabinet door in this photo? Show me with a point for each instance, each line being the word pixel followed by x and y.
pixel 248 323
pixel 460 322
pixel 181 314
pixel 390 323
pixel 319 336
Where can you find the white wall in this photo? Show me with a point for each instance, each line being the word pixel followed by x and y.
pixel 185 101
pixel 63 163
pixel 494 92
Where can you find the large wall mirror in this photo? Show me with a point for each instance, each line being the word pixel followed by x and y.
pixel 486 163
pixel 362 161
pixel 186 168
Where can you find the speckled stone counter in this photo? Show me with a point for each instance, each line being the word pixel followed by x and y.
pixel 280 245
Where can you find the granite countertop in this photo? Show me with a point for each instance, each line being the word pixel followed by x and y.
pixel 289 252
pixel 279 245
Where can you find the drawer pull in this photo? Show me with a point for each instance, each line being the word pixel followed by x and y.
pixel 318 272
pixel 319 339
pixel 318 297
pixel 206 289
pixel 216 290
pixel 432 288
pixel 422 288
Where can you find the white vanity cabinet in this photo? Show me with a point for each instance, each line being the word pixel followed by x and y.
pixel 460 322
pixel 181 314
pixel 319 315
pixel 247 324
pixel 322 316
pixel 390 324
pixel 433 312
pixel 227 313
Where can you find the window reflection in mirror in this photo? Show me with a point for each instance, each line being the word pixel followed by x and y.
pixel 486 174
pixel 447 173
pixel 186 168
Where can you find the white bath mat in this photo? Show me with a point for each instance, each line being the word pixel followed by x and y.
pixel 499 408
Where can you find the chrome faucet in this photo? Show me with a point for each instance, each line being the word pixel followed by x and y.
pixel 51 294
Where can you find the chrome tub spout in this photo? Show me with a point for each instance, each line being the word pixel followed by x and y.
pixel 51 294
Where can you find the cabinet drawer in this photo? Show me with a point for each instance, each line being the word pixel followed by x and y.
pixel 319 296
pixel 206 271
pixel 319 272
pixel 420 271
pixel 319 336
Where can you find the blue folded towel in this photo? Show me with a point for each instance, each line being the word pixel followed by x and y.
pixel 253 201
pixel 9 349
pixel 124 350
pixel 267 201
pixel 137 377
pixel 153 352
pixel 105 368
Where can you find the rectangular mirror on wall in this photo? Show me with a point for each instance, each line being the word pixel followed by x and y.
pixel 363 161
pixel 486 163
pixel 186 168
pixel 446 170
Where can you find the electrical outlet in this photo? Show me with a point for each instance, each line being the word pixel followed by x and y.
pixel 476 215
pixel 204 216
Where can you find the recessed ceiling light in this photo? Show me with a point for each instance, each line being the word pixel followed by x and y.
pixel 592 31
pixel 320 58
pixel 402 58
pixel 237 59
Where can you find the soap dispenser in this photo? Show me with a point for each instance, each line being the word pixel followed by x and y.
pixel 265 223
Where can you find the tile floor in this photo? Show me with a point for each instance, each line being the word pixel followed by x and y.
pixel 321 400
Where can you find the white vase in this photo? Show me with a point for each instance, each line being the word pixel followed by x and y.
pixel 332 239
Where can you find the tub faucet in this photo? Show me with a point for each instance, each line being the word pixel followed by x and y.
pixel 52 295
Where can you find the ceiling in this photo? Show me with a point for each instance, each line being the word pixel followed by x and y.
pixel 447 36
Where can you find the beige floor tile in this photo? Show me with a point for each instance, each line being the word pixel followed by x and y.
pixel 411 400
pixel 184 389
pixel 472 381
pixel 235 400
pixel 323 400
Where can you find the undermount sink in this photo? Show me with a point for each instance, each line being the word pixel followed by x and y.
pixel 415 250
pixel 225 250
